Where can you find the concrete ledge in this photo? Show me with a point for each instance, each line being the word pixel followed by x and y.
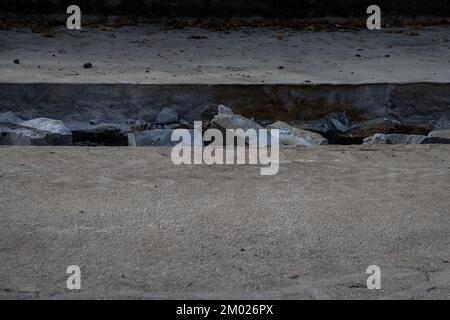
pixel 156 54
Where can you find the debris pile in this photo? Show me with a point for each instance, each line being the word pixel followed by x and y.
pixel 334 128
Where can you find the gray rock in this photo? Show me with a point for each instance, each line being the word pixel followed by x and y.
pixel 30 137
pixel 59 133
pixel 167 116
pixel 393 138
pixel 370 127
pixel 156 137
pixel 224 111
pixel 339 126
pixel 440 134
pixel 9 117
pixel 293 136
pixel 332 122
pixel 233 122
pixel 442 124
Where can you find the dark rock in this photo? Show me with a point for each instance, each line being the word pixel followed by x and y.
pixel 87 65
pixel 100 135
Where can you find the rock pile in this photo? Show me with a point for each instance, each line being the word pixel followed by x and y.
pixel 335 128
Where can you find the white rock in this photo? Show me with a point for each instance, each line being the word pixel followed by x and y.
pixel 49 125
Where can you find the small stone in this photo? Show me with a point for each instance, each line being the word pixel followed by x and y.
pixel 87 65
pixel 16 61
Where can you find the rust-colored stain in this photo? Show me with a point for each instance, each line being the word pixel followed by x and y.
pixel 277 104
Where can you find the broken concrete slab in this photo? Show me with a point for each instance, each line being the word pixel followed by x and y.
pixel 440 134
pixel 30 137
pixel 156 137
pixel 60 133
pixel 49 125
pixel 167 116
pixel 293 136
pixel 234 122
pixel 380 138
pixel 228 121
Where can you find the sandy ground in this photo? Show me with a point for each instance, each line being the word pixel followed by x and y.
pixel 141 227
pixel 151 54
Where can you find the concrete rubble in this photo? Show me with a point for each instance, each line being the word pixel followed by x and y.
pixel 334 128
pixel 35 132
pixel 440 134
pixel 29 137
pixel 57 131
pixel 292 136
pixel 226 119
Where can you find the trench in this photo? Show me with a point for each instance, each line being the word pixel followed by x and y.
pixel 104 114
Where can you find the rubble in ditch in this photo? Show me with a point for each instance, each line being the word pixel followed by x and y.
pixel 334 128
